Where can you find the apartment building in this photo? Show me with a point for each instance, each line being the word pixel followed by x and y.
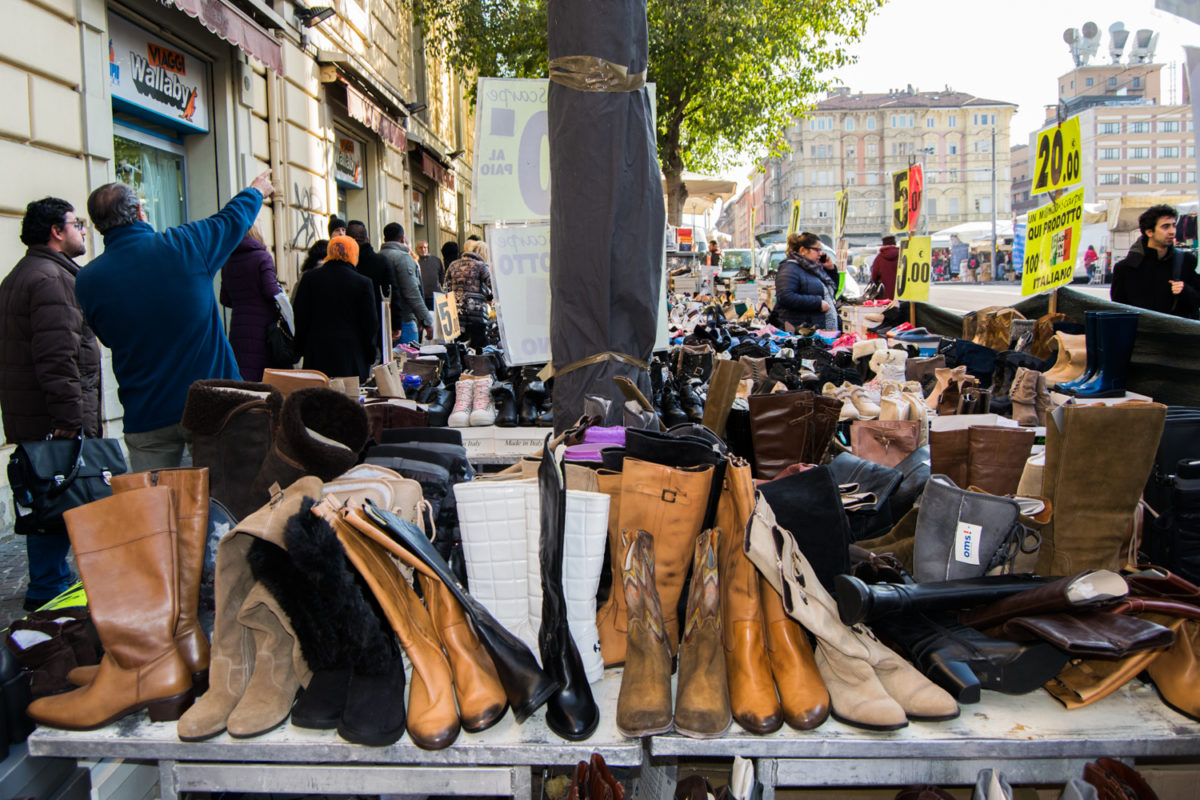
pixel 854 141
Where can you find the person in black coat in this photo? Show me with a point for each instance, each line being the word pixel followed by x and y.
pixel 1155 275
pixel 336 318
pixel 370 263
pixel 805 290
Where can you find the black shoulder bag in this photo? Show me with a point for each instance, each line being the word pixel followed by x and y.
pixel 55 475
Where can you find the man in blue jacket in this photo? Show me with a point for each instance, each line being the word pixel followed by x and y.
pixel 149 298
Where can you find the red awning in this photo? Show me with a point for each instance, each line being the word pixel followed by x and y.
pixel 374 117
pixel 232 25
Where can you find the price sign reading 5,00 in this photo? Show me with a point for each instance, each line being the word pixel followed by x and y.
pixel 914 272
pixel 1057 162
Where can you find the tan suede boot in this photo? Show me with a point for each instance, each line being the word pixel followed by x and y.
pixel 751 684
pixel 702 704
pixel 644 703
pixel 125 550
pixel 274 682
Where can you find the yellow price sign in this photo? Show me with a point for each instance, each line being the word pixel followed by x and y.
pixel 794 222
pixel 445 315
pixel 1052 241
pixel 914 272
pixel 1058 157
pixel 900 200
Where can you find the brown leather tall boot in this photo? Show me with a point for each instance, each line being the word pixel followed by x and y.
pixel 1094 507
pixel 802 692
pixel 669 504
pixel 781 426
pixel 190 492
pixel 702 704
pixel 996 457
pixel 644 703
pixel 432 715
pixel 753 700
pixel 612 610
pixel 125 549
pixel 481 699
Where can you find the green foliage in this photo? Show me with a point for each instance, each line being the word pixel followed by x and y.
pixel 731 74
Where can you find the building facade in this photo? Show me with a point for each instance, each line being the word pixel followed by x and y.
pixel 854 141
pixel 187 101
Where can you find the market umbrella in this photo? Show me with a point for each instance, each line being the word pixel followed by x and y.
pixel 607 218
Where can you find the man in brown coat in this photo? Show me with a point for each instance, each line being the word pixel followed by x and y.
pixel 49 363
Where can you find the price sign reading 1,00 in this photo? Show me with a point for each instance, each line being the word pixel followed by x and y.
pixel 1058 157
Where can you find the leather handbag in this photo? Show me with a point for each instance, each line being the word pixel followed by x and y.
pixel 281 348
pixel 886 442
pixel 429 371
pixel 54 475
pixel 388 379
pixel 1091 634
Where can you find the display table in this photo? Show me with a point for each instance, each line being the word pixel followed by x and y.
pixel 495 762
pixel 1030 738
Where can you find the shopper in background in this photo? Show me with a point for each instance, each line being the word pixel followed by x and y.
pixel 805 289
pixel 370 263
pixel 408 303
pixel 49 364
pixel 883 268
pixel 337 226
pixel 713 257
pixel 1089 262
pixel 1155 275
pixel 250 288
pixel 432 272
pixel 149 298
pixel 336 318
pixel 470 279
pixel 315 255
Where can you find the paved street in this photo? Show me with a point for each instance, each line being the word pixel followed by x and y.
pixel 13 570
pixel 961 298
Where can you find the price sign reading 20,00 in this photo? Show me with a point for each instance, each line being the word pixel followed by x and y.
pixel 1057 163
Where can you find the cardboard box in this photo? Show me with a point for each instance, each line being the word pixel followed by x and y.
pixel 519 441
pixel 479 442
pixel 1058 399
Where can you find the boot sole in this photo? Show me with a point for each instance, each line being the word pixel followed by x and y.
pixel 649 732
pixel 247 735
pixel 578 737
pixel 203 738
pixel 866 725
pixel 484 726
pixel 693 734
pixel 381 739
pixel 943 718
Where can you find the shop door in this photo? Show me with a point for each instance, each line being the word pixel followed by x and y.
pixel 154 168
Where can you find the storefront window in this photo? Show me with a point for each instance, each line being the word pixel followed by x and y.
pixel 155 172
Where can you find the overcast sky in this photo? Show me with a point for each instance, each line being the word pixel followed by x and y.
pixel 1009 50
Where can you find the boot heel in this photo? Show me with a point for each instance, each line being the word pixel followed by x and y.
pixel 955 677
pixel 170 709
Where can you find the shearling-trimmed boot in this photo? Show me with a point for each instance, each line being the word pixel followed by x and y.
pixel 321 432
pixel 702 702
pixel 232 424
pixel 338 630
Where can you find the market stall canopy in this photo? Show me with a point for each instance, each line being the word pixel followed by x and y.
pixel 1123 212
pixel 231 24
pixel 968 231
pixel 704 192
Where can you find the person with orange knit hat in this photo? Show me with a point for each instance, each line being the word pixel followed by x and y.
pixel 336 320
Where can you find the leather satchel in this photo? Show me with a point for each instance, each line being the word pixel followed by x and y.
pixel 55 475
pixel 886 442
pixel 1091 634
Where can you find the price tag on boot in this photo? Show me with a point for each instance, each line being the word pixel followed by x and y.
pixel 966 543
pixel 913 273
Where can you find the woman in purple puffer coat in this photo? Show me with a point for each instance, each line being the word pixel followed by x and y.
pixel 248 287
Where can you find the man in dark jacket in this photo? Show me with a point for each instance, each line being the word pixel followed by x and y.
pixel 408 301
pixel 433 272
pixel 1155 275
pixel 883 268
pixel 150 299
pixel 49 363
pixel 370 263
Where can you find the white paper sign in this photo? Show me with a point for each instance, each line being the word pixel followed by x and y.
pixel 966 543
pixel 521 283
pixel 511 178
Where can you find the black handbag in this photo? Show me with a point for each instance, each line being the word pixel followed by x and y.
pixel 55 475
pixel 281 348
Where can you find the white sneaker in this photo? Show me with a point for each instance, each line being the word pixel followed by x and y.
pixel 483 408
pixel 464 393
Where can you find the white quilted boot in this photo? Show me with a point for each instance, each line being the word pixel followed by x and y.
pixel 888 365
pixel 464 396
pixel 492 520
pixel 583 559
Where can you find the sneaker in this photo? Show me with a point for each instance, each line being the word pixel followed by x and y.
pixel 464 391
pixel 483 408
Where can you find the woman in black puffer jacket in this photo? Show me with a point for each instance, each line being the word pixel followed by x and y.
pixel 805 291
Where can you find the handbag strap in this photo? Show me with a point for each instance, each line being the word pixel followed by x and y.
pixel 62 486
